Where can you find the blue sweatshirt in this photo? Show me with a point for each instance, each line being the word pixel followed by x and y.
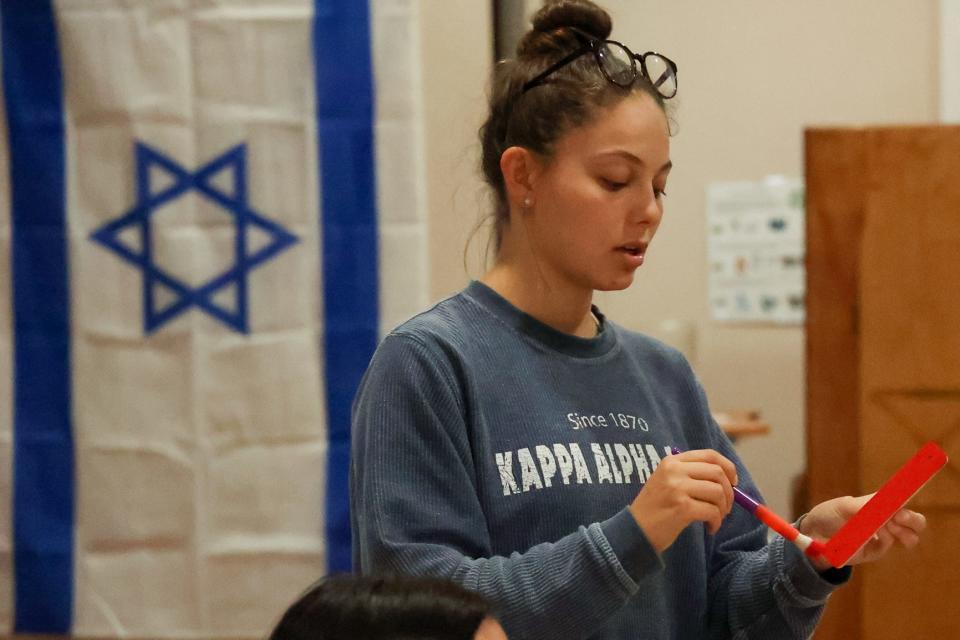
pixel 491 449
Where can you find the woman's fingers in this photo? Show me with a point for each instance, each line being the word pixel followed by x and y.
pixel 709 465
pixel 695 485
pixel 912 520
pixel 906 526
pixel 884 542
pixel 714 475
pixel 686 487
pixel 848 505
pixel 707 491
pixel 704 510
pixel 712 457
pixel 904 535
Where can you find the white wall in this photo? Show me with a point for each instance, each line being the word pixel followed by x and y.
pixel 950 61
pixel 457 45
pixel 753 74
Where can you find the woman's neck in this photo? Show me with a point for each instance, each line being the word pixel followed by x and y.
pixel 559 305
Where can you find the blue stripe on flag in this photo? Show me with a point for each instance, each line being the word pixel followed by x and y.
pixel 344 86
pixel 43 482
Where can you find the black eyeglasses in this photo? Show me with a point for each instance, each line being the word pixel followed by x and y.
pixel 619 65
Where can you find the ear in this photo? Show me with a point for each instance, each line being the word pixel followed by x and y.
pixel 520 168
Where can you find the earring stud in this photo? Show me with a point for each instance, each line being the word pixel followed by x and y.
pixel 527 202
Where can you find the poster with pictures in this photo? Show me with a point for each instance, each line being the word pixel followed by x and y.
pixel 755 247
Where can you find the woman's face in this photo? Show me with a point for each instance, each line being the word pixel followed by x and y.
pixel 599 200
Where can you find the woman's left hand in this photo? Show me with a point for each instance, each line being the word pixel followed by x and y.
pixel 826 518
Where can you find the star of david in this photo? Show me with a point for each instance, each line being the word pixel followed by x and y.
pixel 232 202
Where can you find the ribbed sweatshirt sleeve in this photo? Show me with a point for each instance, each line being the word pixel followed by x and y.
pixel 416 509
pixel 757 589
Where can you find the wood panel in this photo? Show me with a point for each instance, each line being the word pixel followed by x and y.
pixel 883 356
pixel 836 194
pixel 910 366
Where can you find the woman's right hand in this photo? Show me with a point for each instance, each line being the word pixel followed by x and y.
pixel 687 487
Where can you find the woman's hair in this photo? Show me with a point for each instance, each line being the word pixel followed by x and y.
pixel 569 98
pixel 353 607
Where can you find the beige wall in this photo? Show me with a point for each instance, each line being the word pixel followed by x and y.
pixel 753 74
pixel 457 42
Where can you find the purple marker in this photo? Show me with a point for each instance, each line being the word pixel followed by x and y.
pixel 805 543
pixel 745 501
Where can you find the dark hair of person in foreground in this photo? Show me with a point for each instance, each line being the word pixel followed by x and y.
pixel 353 607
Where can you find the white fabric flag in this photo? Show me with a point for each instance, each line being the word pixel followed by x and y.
pixel 215 261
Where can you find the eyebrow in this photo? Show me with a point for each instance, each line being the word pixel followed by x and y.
pixel 634 159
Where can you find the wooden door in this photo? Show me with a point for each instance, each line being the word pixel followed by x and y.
pixel 884 356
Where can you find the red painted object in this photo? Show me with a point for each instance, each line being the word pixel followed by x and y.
pixel 891 497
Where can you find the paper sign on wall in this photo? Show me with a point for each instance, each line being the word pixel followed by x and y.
pixel 755 245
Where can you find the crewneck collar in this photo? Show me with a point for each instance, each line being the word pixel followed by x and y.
pixel 551 338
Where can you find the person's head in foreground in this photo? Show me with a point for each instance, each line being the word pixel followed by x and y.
pixel 352 607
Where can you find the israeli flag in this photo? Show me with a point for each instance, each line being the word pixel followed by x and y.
pixel 209 213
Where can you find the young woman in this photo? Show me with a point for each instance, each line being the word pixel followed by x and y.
pixel 513 439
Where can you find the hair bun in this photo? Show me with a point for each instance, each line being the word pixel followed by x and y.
pixel 558 14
